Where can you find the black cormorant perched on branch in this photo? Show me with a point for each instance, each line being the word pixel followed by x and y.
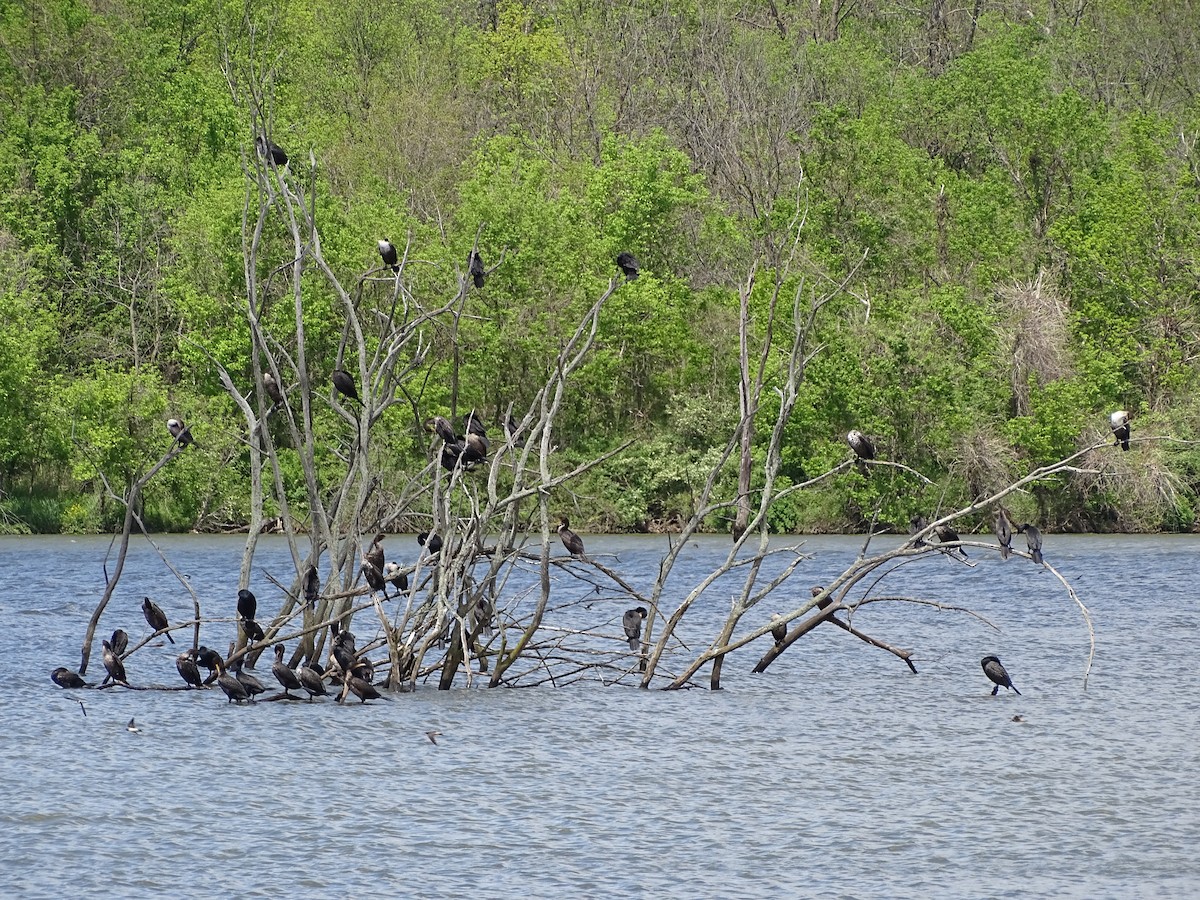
pixel 119 641
pixel 180 432
pixel 343 383
pixel 628 264
pixel 112 662
pixel 1033 540
pixel 632 623
pixel 947 535
pixel 396 576
pixel 572 541
pixel 475 268
pixel 208 659
pixel 312 586
pixel 65 678
pixel 779 629
pixel 271 151
pixel 185 665
pixel 431 542
pixel 916 525
pixel 997 674
pixel 155 617
pixel 1004 533
pixel 271 386
pixel 862 447
pixel 1119 421
pixel 388 252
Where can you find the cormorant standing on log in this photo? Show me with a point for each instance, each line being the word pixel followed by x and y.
pixel 112 662
pixel 311 681
pixel 234 689
pixel 948 535
pixel 997 674
pixel 1119 421
pixel 65 678
pixel 628 264
pixel 252 685
pixel 284 673
pixel 632 623
pixel 185 665
pixel 388 252
pixel 155 617
pixel 572 541
pixel 1033 540
pixel 360 687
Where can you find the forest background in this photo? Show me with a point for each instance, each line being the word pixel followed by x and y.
pixel 1008 194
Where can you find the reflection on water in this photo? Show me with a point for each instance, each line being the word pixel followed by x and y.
pixel 836 773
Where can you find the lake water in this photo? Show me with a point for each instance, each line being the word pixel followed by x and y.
pixel 837 773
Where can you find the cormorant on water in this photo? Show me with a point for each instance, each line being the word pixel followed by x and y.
pixel 572 541
pixel 119 641
pixel 779 629
pixel 271 386
pixel 343 383
pixel 133 727
pixel 1033 540
pixel 916 525
pixel 112 662
pixel 234 689
pixel 1119 421
pixel 180 432
pixel 946 535
pixel 632 623
pixel 185 664
pixel 65 678
pixel 997 674
pixel 628 264
pixel 312 586
pixel 862 447
pixel 1004 533
pixel 388 252
pixel 311 681
pixel 284 673
pixel 431 542
pixel 155 617
pixel 271 151
pixel 475 268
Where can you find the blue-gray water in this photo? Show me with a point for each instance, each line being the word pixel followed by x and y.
pixel 835 774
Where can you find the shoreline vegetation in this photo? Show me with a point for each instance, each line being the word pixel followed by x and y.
pixel 968 233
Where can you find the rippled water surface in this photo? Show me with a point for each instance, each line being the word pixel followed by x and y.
pixel 837 773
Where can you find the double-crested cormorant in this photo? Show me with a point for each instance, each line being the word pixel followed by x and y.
pixel 632 623
pixel 628 264
pixel 271 151
pixel 247 604
pixel 284 673
pixel 779 629
pixel 234 689
pixel 997 674
pixel 373 576
pixel 388 252
pixel 475 268
pixel 343 651
pixel 65 678
pixel 431 542
pixel 374 553
pixel 862 447
pixel 396 576
pixel 185 664
pixel 312 586
pixel 208 659
pixel 271 386
pixel 112 662
pixel 916 525
pixel 1004 533
pixel 1033 540
pixel 252 685
pixel 475 442
pixel 572 541
pixel 441 425
pixel 155 617
pixel 119 641
pixel 343 383
pixel 180 432
pixel 1119 421
pixel 312 682
pixel 360 687
pixel 947 535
